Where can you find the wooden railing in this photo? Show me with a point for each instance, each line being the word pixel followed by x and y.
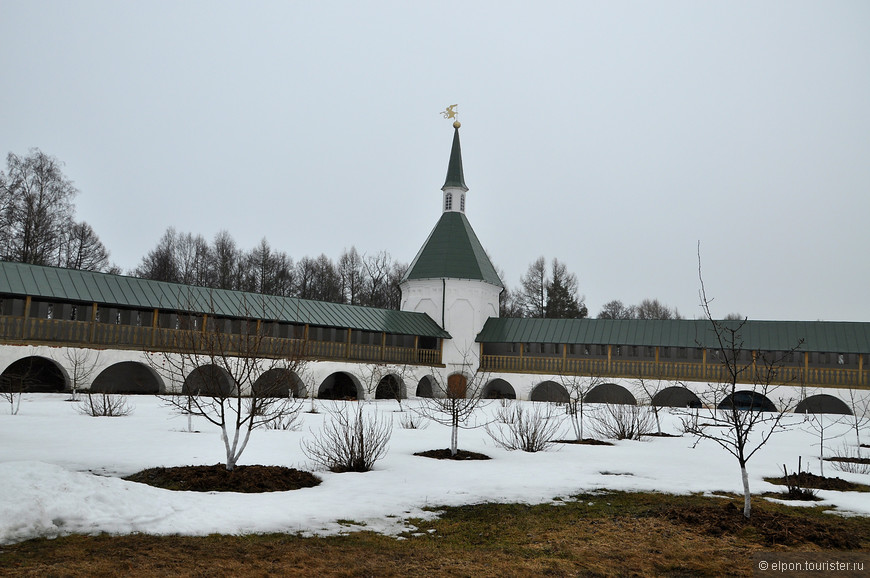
pixel 684 370
pixel 18 330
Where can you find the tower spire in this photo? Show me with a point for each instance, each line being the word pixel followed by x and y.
pixel 454 185
pixel 455 176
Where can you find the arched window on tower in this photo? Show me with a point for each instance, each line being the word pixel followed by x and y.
pixel 462 202
pixel 448 202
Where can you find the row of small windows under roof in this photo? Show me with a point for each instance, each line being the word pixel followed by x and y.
pixel 576 350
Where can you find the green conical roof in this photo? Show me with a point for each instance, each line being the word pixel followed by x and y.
pixel 453 251
pixel 455 176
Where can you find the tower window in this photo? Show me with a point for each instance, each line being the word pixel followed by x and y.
pixel 462 203
pixel 448 202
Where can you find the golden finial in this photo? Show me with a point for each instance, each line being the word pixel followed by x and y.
pixel 456 124
pixel 450 112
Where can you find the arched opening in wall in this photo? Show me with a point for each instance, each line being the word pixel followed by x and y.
pixel 424 387
pixel 676 396
pixel 128 377
pixel 209 380
pixel 747 401
pixel 823 403
pixel 457 386
pixel 339 385
pixel 549 391
pixel 390 387
pixel 279 382
pixel 34 375
pixel 499 389
pixel 610 393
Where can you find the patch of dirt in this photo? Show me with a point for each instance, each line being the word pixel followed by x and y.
pixel 865 461
pixel 661 435
pixel 772 528
pixel 808 480
pixel 585 442
pixel 445 455
pixel 216 478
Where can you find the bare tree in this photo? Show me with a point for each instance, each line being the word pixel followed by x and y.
pixel 619 421
pixel 160 263
pixel 530 428
pixel 81 363
pixel 533 291
pixel 739 429
pixel 652 387
pixel 36 202
pixel 350 273
pixel 104 404
pixel 818 424
pixel 860 417
pixel 80 248
pixel 617 310
pixel 655 309
pixel 454 403
pixel 223 367
pixel 352 440
pixel 577 387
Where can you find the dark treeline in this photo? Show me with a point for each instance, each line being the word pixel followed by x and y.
pixel 37 217
pixel 38 226
pixel 355 279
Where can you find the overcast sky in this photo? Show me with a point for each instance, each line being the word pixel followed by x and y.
pixel 614 136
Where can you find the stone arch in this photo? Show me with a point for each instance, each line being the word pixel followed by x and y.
pixel 823 403
pixel 33 374
pixel 747 400
pixel 549 391
pixel 457 385
pixel 209 380
pixel 390 387
pixel 610 393
pixel 499 389
pixel 279 382
pixel 425 387
pixel 340 385
pixel 128 377
pixel 676 396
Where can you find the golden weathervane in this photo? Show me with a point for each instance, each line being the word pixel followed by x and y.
pixel 449 112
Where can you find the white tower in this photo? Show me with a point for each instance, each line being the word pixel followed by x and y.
pixel 451 278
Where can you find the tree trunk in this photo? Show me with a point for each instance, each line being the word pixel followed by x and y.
pixel 747 506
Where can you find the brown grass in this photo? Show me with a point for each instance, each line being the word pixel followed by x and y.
pixel 614 534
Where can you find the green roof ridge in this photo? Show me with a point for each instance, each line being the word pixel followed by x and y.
pixel 453 251
pixel 74 285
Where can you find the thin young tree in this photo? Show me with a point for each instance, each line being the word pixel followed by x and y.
pixel 821 426
pixel 81 363
pixel 577 387
pixel 740 431
pixel 220 363
pixel 860 418
pixel 651 388
pixel 455 402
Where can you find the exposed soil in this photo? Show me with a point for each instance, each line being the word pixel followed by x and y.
pixel 808 480
pixel 661 435
pixel 865 461
pixel 445 455
pixel 771 528
pixel 216 478
pixel 585 442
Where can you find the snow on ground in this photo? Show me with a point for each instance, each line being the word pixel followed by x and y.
pixel 60 473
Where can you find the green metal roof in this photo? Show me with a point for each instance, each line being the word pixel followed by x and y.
pixel 455 175
pixel 832 336
pixel 51 283
pixel 453 251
